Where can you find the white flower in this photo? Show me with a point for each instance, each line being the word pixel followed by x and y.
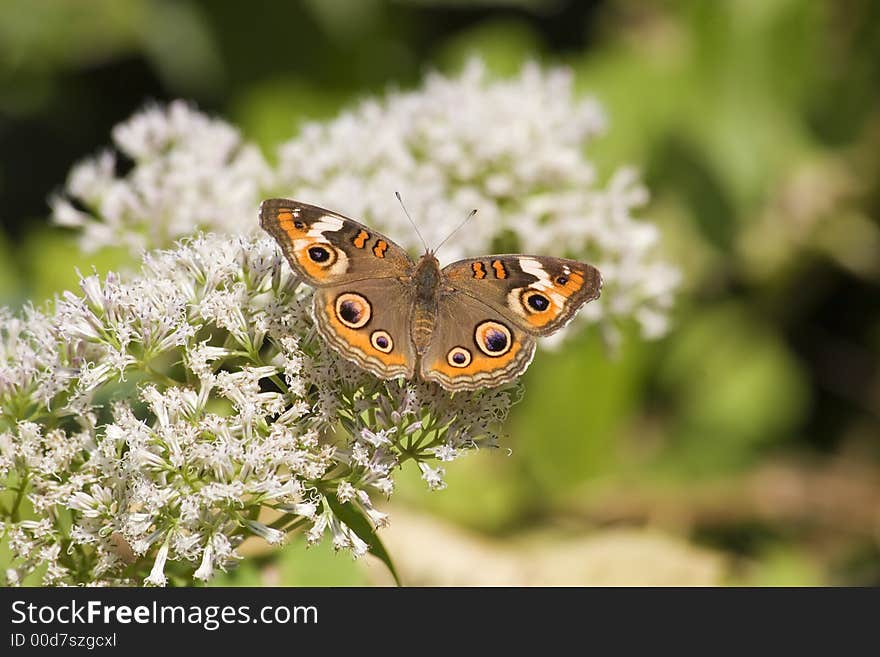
pixel 272 536
pixel 13 577
pixel 432 476
pixel 206 567
pixel 445 452
pixel 203 356
pixel 378 518
pixel 304 509
pixel 345 491
pixel 157 574
pixel 377 438
pixel 384 485
pixel 358 546
pixel 340 533
pixel 316 531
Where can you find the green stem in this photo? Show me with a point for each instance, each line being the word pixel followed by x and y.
pixel 159 377
pixel 16 505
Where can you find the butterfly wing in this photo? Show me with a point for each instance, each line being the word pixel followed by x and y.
pixel 474 346
pixel 491 311
pixel 538 294
pixel 367 322
pixel 362 304
pixel 326 248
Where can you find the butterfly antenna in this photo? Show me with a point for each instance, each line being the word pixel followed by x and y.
pixel 458 228
pixel 418 232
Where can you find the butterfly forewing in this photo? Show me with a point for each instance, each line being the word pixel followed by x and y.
pixel 539 294
pixel 326 248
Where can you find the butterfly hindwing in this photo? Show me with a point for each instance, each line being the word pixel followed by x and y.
pixel 367 322
pixel 473 346
pixel 326 248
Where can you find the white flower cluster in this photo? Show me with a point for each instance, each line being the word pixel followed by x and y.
pixel 186 173
pixel 513 149
pixel 148 426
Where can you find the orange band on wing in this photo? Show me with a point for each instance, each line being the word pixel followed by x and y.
pixel 478 364
pixel 500 271
pixel 479 270
pixel 380 249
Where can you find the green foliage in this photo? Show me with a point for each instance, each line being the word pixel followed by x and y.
pixel 737 387
pixel 9 284
pixel 578 399
pixel 504 45
pixel 272 110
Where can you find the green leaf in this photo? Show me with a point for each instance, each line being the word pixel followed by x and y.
pixel 352 516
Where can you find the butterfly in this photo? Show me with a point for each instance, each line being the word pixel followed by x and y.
pixel 469 325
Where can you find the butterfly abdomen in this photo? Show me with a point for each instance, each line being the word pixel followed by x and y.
pixel 422 327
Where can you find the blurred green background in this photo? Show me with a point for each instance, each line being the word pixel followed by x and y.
pixel 743 448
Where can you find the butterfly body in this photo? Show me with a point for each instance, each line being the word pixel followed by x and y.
pixel 427 282
pixel 468 325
